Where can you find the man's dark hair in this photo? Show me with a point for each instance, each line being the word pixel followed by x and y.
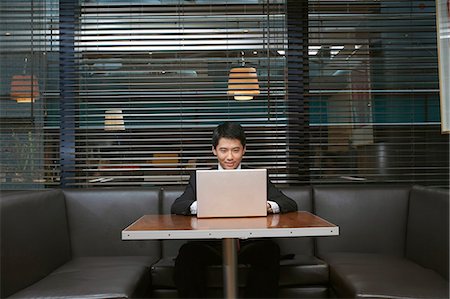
pixel 229 130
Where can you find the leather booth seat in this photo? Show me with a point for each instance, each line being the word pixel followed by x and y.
pixel 67 244
pixel 393 243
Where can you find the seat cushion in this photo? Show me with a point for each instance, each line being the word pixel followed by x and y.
pixel 358 275
pixel 162 274
pixel 95 277
pixel 303 270
pixel 307 292
pixel 298 271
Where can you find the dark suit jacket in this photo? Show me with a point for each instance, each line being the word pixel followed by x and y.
pixel 183 203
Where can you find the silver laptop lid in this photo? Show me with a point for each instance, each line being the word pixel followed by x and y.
pixel 231 193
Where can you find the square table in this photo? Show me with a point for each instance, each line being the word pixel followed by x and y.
pixel 167 226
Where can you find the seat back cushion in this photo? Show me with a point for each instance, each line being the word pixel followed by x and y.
pixel 305 245
pixel 168 196
pixel 34 237
pixel 371 219
pixel 428 229
pixel 98 216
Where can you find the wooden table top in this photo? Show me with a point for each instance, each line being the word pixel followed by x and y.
pixel 170 226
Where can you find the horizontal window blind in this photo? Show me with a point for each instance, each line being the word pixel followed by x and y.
pixel 152 83
pixel 127 93
pixel 29 94
pixel 373 93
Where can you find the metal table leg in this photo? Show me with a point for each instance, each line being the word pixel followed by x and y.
pixel 229 246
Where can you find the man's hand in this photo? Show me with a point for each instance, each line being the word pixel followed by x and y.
pixel 269 209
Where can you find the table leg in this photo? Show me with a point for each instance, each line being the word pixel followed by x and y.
pixel 229 246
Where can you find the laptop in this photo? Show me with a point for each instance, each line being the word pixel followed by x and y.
pixel 231 193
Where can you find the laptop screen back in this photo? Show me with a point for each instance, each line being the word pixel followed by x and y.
pixel 231 193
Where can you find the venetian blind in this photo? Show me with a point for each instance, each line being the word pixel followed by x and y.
pixel 127 93
pixel 373 93
pixel 149 83
pixel 29 94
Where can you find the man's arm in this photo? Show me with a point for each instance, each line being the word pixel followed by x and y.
pixel 182 205
pixel 285 203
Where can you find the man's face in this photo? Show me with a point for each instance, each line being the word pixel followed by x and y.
pixel 229 152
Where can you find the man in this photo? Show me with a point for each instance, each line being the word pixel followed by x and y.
pixel 263 255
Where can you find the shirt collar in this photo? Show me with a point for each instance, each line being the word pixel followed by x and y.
pixel 220 166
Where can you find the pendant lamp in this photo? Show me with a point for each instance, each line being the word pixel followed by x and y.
pixel 114 120
pixel 24 88
pixel 243 82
